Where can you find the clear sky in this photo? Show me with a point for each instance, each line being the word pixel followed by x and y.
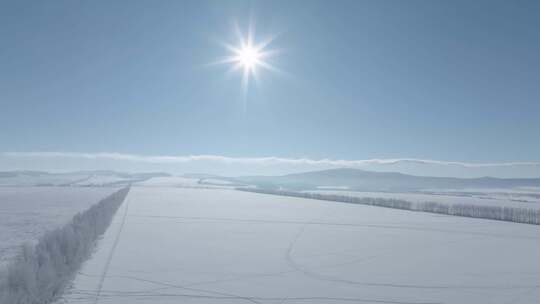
pixel 444 80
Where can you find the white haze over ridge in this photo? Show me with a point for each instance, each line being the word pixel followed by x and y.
pixel 224 165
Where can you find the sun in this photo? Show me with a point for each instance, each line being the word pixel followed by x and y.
pixel 249 56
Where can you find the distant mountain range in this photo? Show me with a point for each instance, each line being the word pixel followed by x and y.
pixel 333 179
pixel 355 179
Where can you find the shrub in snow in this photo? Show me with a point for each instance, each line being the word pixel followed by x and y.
pixel 40 272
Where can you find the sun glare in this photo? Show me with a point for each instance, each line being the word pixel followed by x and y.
pixel 248 57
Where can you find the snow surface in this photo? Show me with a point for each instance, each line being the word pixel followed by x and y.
pixel 41 179
pixel 181 245
pixel 81 178
pixel 215 181
pixel 27 212
pixel 170 181
pixel 99 180
pixel 186 182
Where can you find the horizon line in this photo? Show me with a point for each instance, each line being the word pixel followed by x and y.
pixel 266 160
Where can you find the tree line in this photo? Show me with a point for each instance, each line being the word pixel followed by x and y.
pixel 508 214
pixel 40 272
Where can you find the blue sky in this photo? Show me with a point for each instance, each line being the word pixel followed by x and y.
pixel 454 80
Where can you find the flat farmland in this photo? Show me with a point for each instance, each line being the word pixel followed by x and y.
pixel 172 245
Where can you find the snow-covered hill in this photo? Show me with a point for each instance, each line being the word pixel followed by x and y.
pixel 354 179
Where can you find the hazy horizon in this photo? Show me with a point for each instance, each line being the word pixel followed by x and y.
pixel 237 166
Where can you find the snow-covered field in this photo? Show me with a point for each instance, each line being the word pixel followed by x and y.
pixel 97 180
pixel 182 245
pixel 170 181
pixel 27 212
pixel 79 178
pixel 185 182
pixel 31 178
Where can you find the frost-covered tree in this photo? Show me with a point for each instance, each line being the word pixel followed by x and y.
pixel 40 272
pixel 509 214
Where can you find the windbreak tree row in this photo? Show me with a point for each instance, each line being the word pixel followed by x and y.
pixel 39 274
pixel 509 214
